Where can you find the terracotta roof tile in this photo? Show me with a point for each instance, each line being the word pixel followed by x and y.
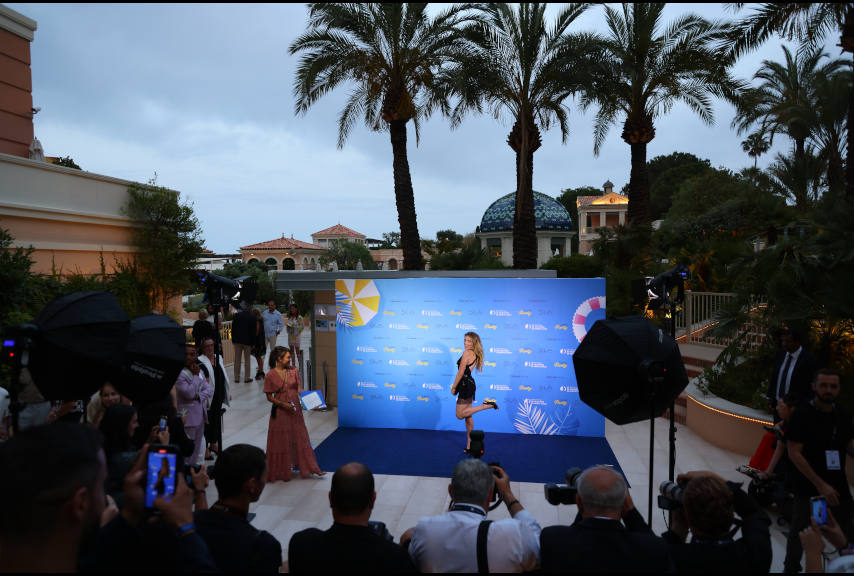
pixel 339 230
pixel 283 244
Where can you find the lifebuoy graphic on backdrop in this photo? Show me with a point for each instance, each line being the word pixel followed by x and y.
pixel 586 315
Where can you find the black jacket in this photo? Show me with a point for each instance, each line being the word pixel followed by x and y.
pixel 345 549
pixel 602 545
pixel 802 374
pixel 750 553
pixel 243 328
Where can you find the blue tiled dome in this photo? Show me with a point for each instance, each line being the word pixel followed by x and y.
pixel 548 213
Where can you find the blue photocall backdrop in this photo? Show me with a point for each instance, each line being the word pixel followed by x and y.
pixel 398 342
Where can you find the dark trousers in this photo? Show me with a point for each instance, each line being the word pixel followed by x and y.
pixel 801 514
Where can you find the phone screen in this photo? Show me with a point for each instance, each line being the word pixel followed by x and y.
pixel 162 423
pixel 819 510
pixel 160 475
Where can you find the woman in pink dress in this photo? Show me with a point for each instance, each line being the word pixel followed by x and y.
pixel 287 437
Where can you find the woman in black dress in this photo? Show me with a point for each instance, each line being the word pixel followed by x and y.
pixel 464 385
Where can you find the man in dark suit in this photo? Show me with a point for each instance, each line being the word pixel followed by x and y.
pixel 599 541
pixel 244 330
pixel 794 369
pixel 350 545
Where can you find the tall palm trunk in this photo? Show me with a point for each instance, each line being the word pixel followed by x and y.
pixel 849 160
pixel 404 196
pixel 524 139
pixel 637 134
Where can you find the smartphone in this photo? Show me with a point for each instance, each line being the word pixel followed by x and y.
pixel 161 472
pixel 819 509
pixel 162 423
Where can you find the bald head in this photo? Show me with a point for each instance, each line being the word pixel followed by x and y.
pixel 352 491
pixel 601 492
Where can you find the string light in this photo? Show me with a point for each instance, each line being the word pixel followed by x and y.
pixel 732 415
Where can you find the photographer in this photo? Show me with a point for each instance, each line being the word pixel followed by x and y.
pixel 599 541
pixel 709 504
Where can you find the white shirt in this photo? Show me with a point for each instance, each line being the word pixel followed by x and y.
pixel 448 543
pixel 209 365
pixel 787 377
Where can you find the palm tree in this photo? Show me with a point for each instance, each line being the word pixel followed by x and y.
pixel 519 66
pixel 786 99
pixel 806 22
pixel 798 176
pixel 644 72
pixel 756 145
pixel 392 54
pixel 828 124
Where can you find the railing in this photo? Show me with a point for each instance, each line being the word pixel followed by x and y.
pixel 698 317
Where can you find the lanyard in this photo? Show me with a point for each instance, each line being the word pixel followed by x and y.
pixel 468 508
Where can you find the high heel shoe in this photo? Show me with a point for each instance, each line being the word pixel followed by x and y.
pixel 492 403
pixel 467 451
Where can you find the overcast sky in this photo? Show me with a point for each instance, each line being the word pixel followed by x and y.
pixel 202 95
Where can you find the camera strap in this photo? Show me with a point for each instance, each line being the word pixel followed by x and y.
pixel 482 559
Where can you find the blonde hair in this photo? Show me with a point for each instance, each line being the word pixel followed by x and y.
pixel 203 314
pixel 477 348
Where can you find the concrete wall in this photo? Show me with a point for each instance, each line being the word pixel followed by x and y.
pixel 69 216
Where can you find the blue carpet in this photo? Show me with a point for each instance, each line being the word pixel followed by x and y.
pixel 526 458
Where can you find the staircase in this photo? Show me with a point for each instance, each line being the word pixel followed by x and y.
pixel 697 357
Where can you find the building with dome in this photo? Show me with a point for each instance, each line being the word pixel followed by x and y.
pixel 553 224
pixel 608 210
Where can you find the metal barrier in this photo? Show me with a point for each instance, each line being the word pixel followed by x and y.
pixel 698 316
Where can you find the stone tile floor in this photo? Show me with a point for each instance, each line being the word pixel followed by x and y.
pixel 287 507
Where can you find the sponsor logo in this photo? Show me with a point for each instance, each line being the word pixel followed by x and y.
pixel 499 351
pixel 358 397
pixel 490 364
pixel 354 361
pixel 544 350
pixel 431 313
pixel 388 312
pixel 535 365
pixel 489 400
pixel 527 388
pixel 535 327
pixel 544 388
pixel 376 396
pixel 544 312
pixel 561 327
pixel 525 313
pixel 423 399
pixel 422 326
pixel 567 351
pixel 376 361
pixel 398 362
pixel 389 384
pixel 490 326
pixel 569 389
pixel 536 402
pixel 466 327
pixel 499 313
pixel 422 363
pixel 396 398
pixel 524 350
pixel 441 326
pixel 398 327
pixel 432 386
pixel 457 350
pixel 365 385
pixel 511 326
pixel 561 402
pixel 456 313
pixel 388 349
pixel 559 365
pixel 500 387
pixel 365 349
pixel 431 350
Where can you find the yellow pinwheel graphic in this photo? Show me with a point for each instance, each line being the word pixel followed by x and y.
pixel 358 301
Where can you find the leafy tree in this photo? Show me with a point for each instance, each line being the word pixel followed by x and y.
pixel 806 22
pixel 15 264
pixel 755 145
pixel 828 118
pixel 470 256
pixel 568 197
pixel 574 266
pixel 448 241
pixel 390 240
pixel 168 238
pixel 520 66
pixel 798 178
pixel 347 255
pixel 786 98
pixel 266 290
pixel 666 175
pixel 392 54
pixel 68 162
pixel 646 70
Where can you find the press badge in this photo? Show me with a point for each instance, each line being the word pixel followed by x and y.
pixel 832 457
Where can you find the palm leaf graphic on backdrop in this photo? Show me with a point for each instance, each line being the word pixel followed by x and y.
pixel 345 309
pixel 567 423
pixel 532 420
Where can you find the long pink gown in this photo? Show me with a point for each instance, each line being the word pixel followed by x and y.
pixel 287 438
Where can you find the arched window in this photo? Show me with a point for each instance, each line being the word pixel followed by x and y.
pixel 272 263
pixel 313 264
pixel 252 261
pixel 392 264
pixel 288 264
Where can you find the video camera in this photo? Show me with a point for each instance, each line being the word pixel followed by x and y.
pixel 557 494
pixel 660 290
pixel 220 290
pixel 670 497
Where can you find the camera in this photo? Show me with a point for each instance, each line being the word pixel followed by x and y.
pixel 557 494
pixel 220 290
pixel 380 530
pixel 667 287
pixel 670 495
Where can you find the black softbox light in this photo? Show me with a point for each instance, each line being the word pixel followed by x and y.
pixel 154 357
